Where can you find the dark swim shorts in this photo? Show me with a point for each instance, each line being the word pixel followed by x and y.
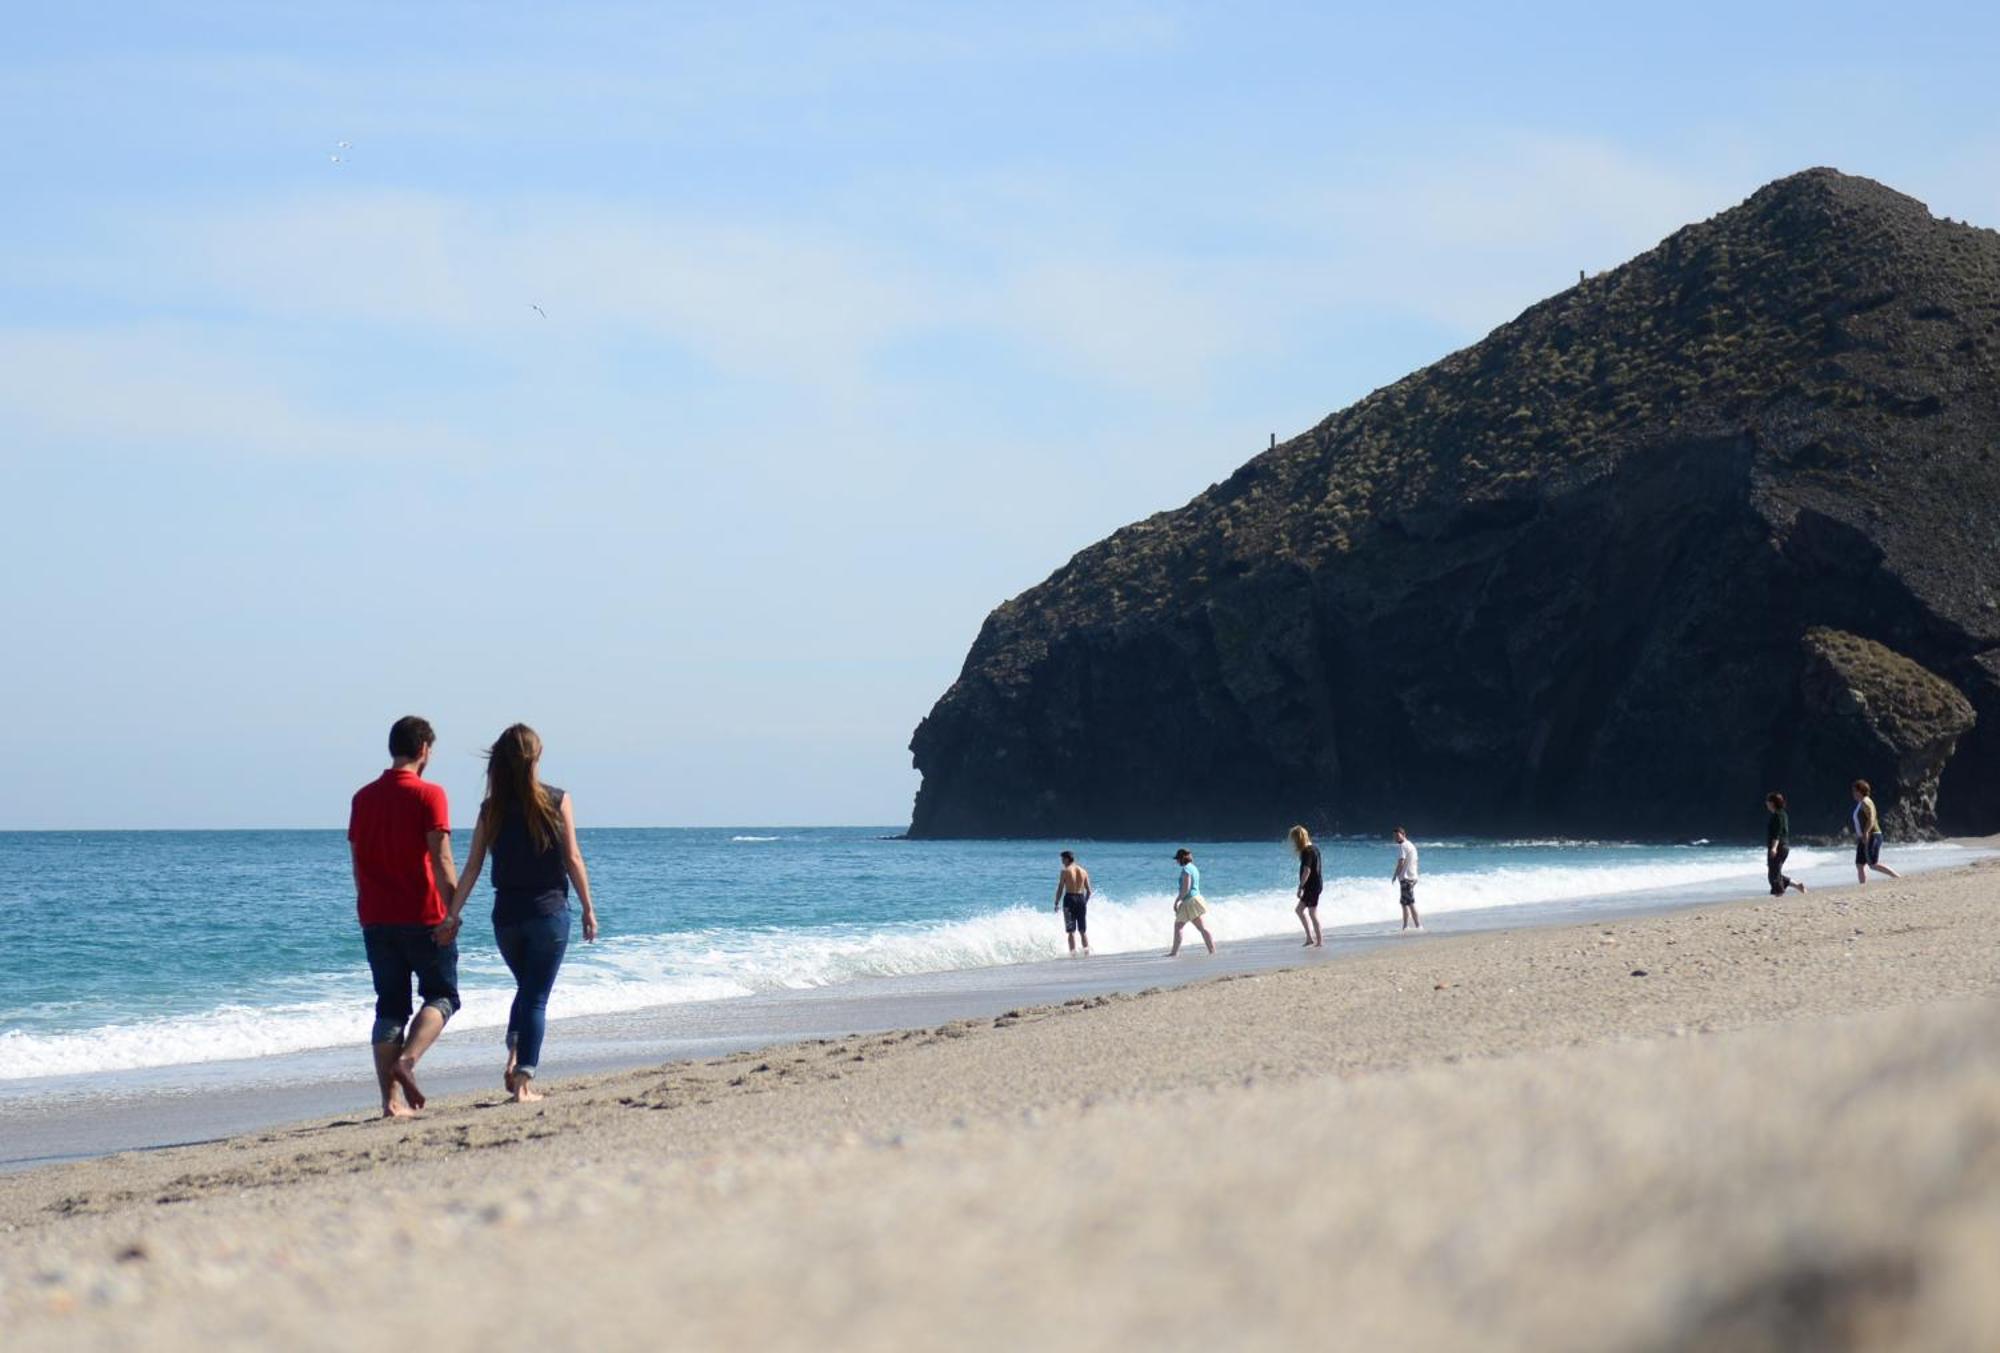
pixel 1073 905
pixel 1868 851
pixel 1309 898
pixel 1409 892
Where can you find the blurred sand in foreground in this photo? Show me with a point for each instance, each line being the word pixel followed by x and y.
pixel 1785 1134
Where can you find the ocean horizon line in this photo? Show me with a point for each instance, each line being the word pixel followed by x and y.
pixel 600 827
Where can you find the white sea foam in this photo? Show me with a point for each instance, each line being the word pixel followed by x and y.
pixel 756 838
pixel 635 972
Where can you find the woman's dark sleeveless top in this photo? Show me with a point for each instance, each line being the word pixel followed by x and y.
pixel 528 881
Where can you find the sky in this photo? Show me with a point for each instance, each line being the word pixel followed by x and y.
pixel 854 321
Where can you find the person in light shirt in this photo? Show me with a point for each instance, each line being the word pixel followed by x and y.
pixel 1867 835
pixel 1406 875
pixel 1189 905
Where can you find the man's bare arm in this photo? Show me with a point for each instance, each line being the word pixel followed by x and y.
pixel 442 866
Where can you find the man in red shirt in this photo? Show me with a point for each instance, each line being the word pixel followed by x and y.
pixel 399 837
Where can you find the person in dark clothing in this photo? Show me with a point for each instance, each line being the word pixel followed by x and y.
pixel 1310 883
pixel 530 828
pixel 1778 844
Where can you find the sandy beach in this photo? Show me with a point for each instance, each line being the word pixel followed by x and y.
pixel 1765 1124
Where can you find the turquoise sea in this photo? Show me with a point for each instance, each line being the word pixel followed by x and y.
pixel 132 950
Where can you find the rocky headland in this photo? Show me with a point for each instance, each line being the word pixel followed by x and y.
pixel 1718 521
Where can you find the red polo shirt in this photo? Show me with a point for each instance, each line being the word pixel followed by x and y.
pixel 389 827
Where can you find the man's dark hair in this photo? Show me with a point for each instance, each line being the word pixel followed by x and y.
pixel 409 735
pixel 1068 858
pixel 1776 800
pixel 1861 787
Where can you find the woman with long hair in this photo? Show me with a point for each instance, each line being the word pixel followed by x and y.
pixel 1311 881
pixel 530 828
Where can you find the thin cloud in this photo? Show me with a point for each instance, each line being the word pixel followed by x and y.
pixel 161 390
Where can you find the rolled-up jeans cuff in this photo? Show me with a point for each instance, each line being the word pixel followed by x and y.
pixel 387 1031
pixel 444 1005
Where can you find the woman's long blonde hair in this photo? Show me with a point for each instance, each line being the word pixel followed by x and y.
pixel 512 784
pixel 1300 838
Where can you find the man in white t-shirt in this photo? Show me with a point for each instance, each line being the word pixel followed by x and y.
pixel 1406 875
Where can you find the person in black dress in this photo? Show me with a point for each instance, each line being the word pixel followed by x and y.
pixel 1310 884
pixel 1778 844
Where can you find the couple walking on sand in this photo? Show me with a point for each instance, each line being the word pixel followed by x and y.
pixel 1312 881
pixel 399 841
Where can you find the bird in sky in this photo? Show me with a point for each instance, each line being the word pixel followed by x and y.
pixel 538 310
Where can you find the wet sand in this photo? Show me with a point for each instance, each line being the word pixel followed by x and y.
pixel 1785 1133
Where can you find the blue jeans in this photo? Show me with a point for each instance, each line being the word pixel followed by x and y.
pixel 396 953
pixel 533 948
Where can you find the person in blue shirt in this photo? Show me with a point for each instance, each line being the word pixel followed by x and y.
pixel 1189 907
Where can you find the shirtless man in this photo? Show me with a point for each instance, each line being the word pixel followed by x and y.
pixel 1072 896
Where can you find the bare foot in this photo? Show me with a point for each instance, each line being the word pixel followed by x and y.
pixel 507 1076
pixel 525 1091
pixel 1307 945
pixel 395 1108
pixel 404 1075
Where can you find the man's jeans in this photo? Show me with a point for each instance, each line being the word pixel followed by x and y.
pixel 396 953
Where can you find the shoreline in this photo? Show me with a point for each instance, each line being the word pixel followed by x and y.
pixel 56 1121
pixel 1503 1139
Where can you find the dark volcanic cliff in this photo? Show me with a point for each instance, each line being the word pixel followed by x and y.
pixel 1718 521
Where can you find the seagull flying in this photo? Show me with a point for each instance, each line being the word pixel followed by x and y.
pixel 538 310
